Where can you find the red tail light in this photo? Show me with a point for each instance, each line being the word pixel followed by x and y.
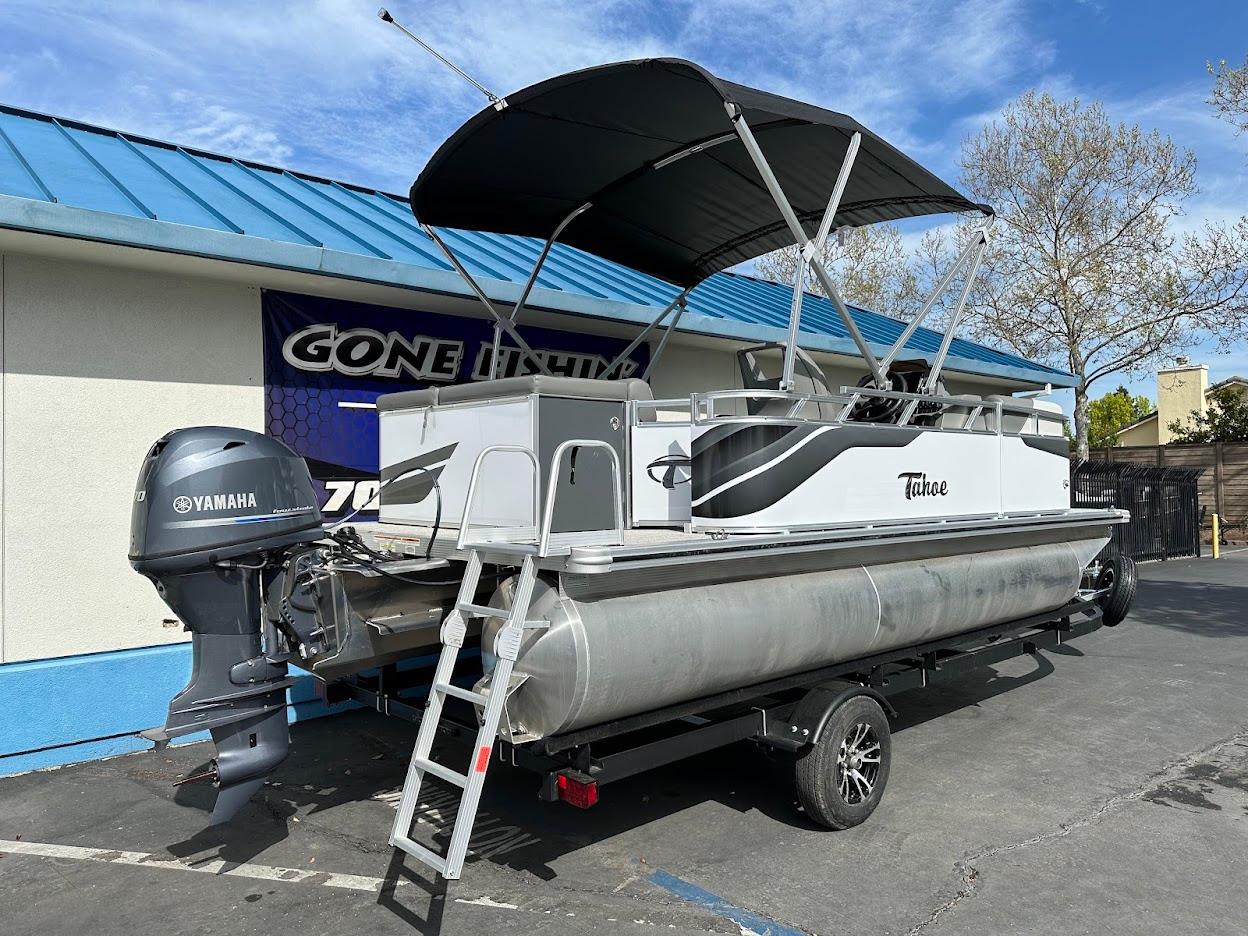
pixel 577 789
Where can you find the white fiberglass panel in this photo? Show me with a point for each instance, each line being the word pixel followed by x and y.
pixel 1034 478
pixel 659 454
pixel 446 440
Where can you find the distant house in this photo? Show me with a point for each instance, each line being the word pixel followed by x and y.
pixel 1181 390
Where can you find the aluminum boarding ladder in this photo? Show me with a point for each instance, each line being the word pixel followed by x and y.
pixel 506 650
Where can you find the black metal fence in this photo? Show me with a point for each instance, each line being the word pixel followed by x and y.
pixel 1165 512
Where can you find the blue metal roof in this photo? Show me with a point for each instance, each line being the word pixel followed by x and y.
pixel 63 177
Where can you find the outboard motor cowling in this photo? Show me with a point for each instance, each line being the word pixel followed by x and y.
pixel 215 509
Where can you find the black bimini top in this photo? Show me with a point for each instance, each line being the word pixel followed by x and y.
pixel 601 136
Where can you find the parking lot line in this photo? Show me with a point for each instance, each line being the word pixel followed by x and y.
pixel 215 866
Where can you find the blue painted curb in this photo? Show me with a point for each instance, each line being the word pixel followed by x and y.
pixel 79 708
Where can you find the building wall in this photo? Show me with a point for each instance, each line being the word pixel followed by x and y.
pixel 1144 433
pixel 99 362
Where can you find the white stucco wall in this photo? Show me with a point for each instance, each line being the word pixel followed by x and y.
pixel 99 362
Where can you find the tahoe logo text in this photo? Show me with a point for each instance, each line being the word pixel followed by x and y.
pixel 917 485
pixel 183 504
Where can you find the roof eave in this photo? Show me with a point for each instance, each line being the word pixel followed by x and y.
pixel 37 217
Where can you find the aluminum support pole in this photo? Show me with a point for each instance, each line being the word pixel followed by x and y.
pixel 532 280
pixel 938 363
pixel 954 320
pixel 799 235
pixel 623 355
pixel 814 249
pixel 945 280
pixel 499 320
pixel 795 321
pixel 667 333
pixel 842 179
pixel 834 294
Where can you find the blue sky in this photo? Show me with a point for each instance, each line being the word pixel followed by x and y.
pixel 325 87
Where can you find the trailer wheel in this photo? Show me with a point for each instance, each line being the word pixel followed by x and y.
pixel 1120 578
pixel 841 777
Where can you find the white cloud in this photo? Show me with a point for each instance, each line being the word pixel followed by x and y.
pixel 326 84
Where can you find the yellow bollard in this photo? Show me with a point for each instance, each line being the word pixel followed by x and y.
pixel 1217 545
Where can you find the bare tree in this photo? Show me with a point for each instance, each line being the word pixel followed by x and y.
pixel 1085 269
pixel 870 265
pixel 1230 93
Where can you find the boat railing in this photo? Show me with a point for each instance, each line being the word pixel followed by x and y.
pixel 1030 425
pixel 679 410
pixel 539 538
pixel 708 408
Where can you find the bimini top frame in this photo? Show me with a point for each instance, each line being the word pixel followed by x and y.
pixel 634 162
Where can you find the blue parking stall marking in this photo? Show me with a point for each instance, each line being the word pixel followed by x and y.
pixel 749 921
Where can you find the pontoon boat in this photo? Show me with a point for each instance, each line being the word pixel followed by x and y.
pixel 620 555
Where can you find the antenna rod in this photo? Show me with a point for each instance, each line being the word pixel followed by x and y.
pixel 498 102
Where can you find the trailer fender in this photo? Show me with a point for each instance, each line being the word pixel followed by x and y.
pixel 811 714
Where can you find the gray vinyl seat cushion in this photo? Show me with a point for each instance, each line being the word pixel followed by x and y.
pixel 1016 422
pixel 407 399
pixel 576 388
pixel 954 416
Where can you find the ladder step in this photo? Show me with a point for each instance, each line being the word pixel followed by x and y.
pixel 419 852
pixel 450 776
pixel 476 610
pixel 476 698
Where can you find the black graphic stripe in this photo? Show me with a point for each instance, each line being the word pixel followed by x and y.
pixel 390 472
pixel 715 435
pixel 744 450
pixel 770 486
pixel 1054 445
pixel 411 490
pixel 330 471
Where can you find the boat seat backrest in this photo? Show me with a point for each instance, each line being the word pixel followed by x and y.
pixel 575 388
pixel 1015 423
pixel 954 415
pixel 407 399
pixel 808 378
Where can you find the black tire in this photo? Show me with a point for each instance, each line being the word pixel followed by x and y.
pixel 1119 577
pixel 829 794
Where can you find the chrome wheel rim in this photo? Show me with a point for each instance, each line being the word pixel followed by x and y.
pixel 858 764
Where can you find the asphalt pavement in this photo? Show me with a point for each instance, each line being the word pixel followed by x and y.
pixel 1101 789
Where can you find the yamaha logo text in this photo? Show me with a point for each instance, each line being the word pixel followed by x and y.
pixel 917 485
pixel 236 501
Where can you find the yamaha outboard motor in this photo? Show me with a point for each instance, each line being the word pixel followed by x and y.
pixel 218 513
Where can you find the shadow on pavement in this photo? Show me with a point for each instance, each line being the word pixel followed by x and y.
pixel 360 756
pixel 1202 608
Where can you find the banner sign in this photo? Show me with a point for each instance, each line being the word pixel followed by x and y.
pixel 327 360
